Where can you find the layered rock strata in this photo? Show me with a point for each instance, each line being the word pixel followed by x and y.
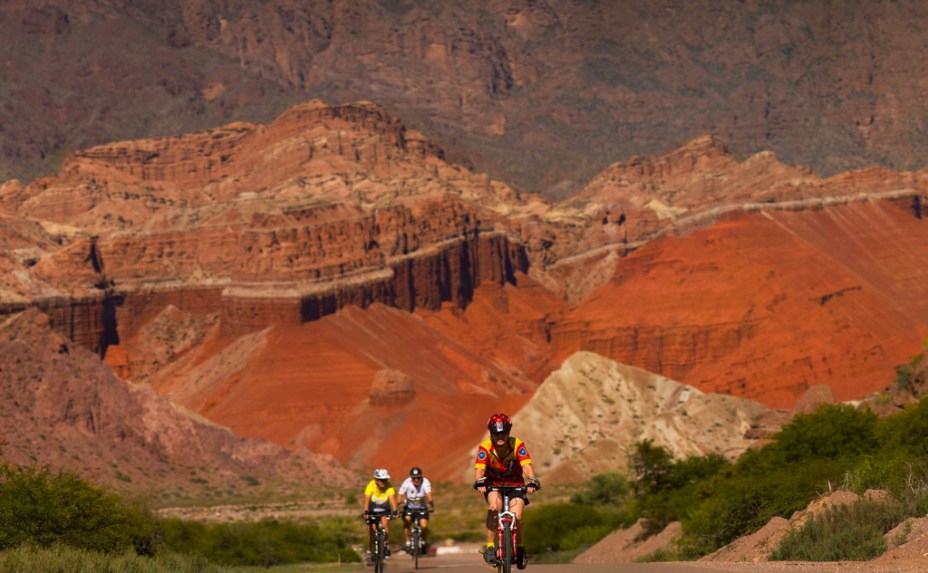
pixel 327 206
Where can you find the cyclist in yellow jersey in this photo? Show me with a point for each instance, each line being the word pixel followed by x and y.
pixel 503 460
pixel 379 499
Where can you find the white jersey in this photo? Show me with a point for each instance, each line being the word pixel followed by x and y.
pixel 415 497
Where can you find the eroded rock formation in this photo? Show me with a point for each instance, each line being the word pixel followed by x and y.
pixel 65 409
pixel 266 276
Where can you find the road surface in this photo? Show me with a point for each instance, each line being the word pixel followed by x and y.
pixel 469 561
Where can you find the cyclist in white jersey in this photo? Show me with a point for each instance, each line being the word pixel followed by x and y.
pixel 416 495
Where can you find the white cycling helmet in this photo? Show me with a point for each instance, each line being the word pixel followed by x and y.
pixel 381 473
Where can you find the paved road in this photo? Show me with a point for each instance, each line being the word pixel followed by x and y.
pixel 471 562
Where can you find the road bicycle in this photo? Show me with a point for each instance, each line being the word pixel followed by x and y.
pixel 506 529
pixel 379 550
pixel 415 534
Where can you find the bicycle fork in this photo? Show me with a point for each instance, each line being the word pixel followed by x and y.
pixel 505 517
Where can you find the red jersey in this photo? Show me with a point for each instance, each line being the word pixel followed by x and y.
pixel 506 470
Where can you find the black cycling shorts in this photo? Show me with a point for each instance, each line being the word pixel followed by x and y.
pixel 375 514
pixel 416 513
pixel 512 495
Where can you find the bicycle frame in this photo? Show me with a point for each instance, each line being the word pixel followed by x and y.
pixel 378 551
pixel 415 531
pixel 506 528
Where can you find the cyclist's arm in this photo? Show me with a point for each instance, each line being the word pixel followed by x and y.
pixel 528 470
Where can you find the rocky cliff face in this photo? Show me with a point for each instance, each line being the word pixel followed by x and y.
pixel 63 408
pixel 328 281
pixel 261 224
pixel 580 84
pixel 765 305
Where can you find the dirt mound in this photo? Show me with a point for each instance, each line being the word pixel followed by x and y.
pixel 758 545
pixel 627 545
pixel 907 542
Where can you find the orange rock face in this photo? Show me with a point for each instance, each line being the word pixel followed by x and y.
pixel 369 387
pixel 766 305
pixel 330 283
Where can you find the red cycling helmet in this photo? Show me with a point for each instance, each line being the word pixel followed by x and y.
pixel 499 423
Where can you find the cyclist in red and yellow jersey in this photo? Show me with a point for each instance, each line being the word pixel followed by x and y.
pixel 503 460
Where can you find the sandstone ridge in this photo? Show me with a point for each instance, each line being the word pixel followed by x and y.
pixel 64 409
pixel 329 281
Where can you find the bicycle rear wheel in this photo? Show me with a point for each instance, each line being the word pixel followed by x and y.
pixel 507 548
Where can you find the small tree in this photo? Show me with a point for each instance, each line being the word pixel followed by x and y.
pixel 609 489
pixel 652 466
pixel 44 508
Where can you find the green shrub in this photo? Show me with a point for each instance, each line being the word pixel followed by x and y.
pixel 564 527
pixel 834 430
pixel 679 488
pixel 265 543
pixel 72 560
pixel 44 508
pixel 842 533
pixel 906 431
pixel 744 499
pixel 604 489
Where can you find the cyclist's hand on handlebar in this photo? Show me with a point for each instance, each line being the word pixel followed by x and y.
pixel 533 484
pixel 481 485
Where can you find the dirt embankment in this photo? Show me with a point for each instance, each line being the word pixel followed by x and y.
pixel 907 543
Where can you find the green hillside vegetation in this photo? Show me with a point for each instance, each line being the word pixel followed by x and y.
pixel 52 518
pixel 48 518
pixel 718 501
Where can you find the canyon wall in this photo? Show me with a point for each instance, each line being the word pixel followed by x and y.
pixel 444 273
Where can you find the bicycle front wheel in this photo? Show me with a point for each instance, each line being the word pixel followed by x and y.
pixel 507 548
pixel 416 546
pixel 381 555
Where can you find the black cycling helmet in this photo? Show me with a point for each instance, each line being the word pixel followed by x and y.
pixel 415 472
pixel 499 423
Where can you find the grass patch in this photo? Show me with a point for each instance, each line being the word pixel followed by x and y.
pixel 842 533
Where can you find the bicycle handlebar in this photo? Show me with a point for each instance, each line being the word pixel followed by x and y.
pixel 500 487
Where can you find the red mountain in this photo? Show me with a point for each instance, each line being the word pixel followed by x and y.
pixel 330 281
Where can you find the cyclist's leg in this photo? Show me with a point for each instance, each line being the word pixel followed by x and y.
pixel 494 504
pixel 424 526
pixel 516 506
pixel 407 523
pixel 386 530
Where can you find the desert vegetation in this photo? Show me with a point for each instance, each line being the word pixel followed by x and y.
pixel 717 501
pixel 49 518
